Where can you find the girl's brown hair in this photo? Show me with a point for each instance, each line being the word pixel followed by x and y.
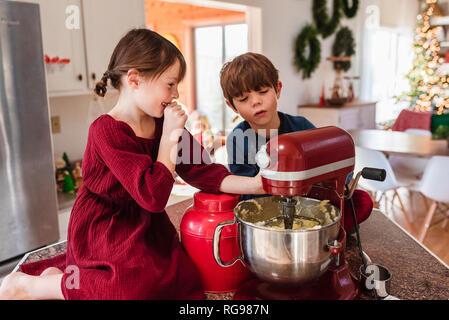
pixel 245 73
pixel 143 50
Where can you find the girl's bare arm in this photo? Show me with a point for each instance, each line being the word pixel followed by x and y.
pixel 242 185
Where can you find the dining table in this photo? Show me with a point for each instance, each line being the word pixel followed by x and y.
pixel 400 143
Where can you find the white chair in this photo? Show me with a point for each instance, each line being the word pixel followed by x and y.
pixel 376 159
pixel 409 169
pixel 435 186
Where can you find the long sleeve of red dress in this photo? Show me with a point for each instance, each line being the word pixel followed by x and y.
pixel 195 167
pixel 148 182
pixel 121 244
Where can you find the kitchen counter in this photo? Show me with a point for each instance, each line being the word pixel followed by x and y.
pixel 65 200
pixel 416 273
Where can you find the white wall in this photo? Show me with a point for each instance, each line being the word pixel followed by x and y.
pixel 388 56
pixel 282 20
pixel 74 116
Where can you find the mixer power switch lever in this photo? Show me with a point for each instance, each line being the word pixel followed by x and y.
pixel 336 248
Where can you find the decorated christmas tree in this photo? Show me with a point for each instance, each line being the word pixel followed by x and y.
pixel 428 85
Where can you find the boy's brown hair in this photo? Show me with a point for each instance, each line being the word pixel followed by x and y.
pixel 245 73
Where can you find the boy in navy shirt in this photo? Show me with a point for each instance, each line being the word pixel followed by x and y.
pixel 251 88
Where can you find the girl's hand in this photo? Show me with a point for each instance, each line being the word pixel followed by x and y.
pixel 258 184
pixel 174 118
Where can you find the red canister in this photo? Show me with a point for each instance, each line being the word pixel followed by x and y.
pixel 197 232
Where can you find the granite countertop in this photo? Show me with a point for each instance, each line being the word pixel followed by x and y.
pixel 416 273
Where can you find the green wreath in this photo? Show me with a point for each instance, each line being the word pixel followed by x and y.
pixel 344 45
pixel 325 25
pixel 350 12
pixel 308 36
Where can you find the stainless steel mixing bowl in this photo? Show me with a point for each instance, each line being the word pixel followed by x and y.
pixel 286 257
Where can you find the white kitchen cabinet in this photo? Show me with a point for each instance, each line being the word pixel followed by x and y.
pixel 351 116
pixel 106 22
pixel 101 25
pixel 60 41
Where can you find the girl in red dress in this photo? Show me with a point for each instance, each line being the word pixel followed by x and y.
pixel 121 243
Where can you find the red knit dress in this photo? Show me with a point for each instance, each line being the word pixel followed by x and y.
pixel 119 235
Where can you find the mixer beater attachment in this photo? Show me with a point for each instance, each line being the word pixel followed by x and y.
pixel 288 211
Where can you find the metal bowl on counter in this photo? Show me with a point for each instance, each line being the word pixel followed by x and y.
pixel 277 255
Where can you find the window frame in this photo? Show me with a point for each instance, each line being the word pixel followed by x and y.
pixel 222 23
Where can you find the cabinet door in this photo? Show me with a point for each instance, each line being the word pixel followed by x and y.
pixel 106 22
pixel 63 42
pixel 350 119
pixel 320 117
pixel 368 117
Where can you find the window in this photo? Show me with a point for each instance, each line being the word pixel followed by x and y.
pixel 389 56
pixel 214 45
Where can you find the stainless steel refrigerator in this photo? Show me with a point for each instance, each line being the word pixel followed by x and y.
pixel 28 202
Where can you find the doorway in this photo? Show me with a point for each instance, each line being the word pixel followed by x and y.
pixel 215 45
pixel 208 33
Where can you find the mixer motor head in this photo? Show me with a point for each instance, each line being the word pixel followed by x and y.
pixel 291 163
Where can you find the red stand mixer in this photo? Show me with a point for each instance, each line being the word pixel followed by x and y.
pixel 301 168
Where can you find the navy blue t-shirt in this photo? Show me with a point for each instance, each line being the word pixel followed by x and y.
pixel 243 143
